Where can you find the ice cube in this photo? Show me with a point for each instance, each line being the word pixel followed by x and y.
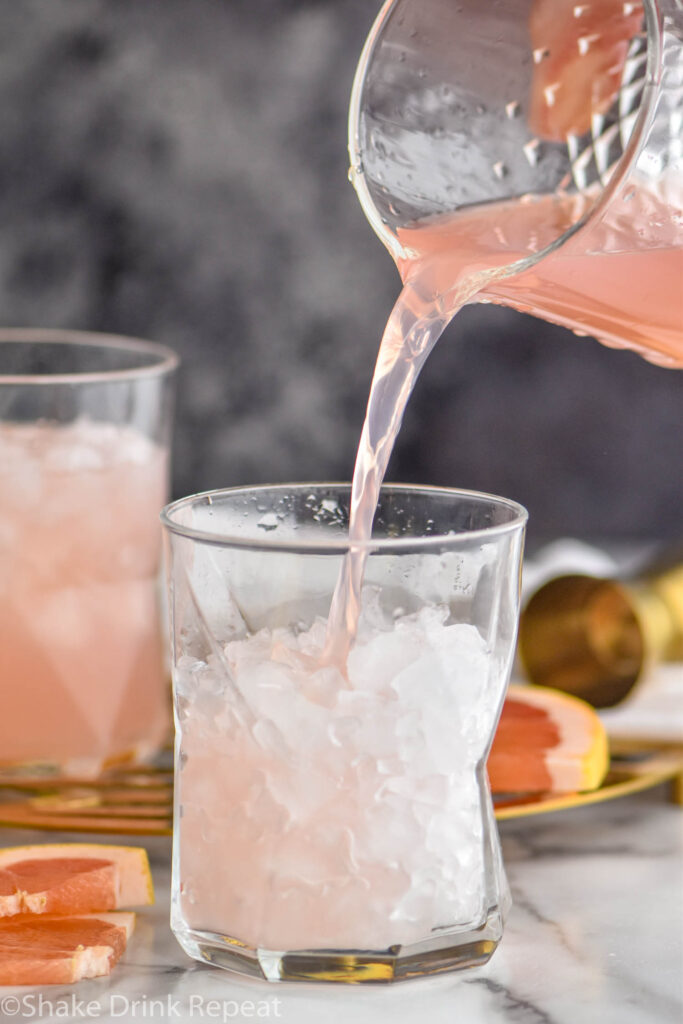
pixel 269 738
pixel 343 731
pixel 354 801
pixel 372 666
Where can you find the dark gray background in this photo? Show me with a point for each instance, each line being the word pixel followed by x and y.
pixel 176 169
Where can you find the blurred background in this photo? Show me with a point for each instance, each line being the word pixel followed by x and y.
pixel 177 170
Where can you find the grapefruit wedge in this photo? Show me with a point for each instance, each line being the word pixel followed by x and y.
pixel 73 878
pixel 547 742
pixel 51 950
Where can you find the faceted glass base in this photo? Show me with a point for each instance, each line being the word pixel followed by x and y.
pixel 447 952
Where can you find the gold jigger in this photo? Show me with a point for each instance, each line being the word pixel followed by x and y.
pixel 596 638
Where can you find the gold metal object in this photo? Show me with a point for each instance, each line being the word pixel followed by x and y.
pixel 123 801
pixel 596 638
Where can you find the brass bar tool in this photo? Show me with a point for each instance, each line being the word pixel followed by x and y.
pixel 596 638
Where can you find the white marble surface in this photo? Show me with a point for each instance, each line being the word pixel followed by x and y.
pixel 595 937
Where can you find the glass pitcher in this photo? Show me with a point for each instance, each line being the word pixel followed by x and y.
pixel 574 109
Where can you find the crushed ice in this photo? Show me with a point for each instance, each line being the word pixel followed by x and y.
pixel 354 807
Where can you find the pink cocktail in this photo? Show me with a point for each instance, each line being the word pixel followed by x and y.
pixel 332 817
pixel 83 473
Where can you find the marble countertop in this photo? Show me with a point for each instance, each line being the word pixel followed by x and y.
pixel 595 936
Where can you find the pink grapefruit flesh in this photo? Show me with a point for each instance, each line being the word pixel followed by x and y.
pixel 51 950
pixel 547 742
pixel 72 878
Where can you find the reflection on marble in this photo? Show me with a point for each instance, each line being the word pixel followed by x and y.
pixel 594 937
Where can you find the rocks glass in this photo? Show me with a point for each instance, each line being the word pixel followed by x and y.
pixel 84 452
pixel 334 822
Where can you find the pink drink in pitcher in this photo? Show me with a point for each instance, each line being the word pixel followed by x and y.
pixel 626 297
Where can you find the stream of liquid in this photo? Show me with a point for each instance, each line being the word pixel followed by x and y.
pixel 605 281
pixel 337 806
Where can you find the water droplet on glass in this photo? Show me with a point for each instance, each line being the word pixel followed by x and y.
pixel 541 53
pixel 531 151
pixel 499 169
pixel 549 93
pixel 580 10
pixel 268 522
pixel 584 43
pixel 513 109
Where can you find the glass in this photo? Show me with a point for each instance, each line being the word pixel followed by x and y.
pixel 337 825
pixel 84 458
pixel 472 106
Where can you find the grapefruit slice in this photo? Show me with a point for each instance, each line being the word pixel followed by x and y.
pixel 50 950
pixel 73 878
pixel 547 742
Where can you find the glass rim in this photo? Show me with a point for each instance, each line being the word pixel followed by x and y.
pixel 163 360
pixel 341 545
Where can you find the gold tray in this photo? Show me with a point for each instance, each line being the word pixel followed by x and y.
pixel 139 801
pixel 627 775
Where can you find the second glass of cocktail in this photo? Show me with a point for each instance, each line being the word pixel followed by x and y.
pixel 84 461
pixel 333 819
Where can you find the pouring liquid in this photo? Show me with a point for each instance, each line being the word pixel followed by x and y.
pixel 604 281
